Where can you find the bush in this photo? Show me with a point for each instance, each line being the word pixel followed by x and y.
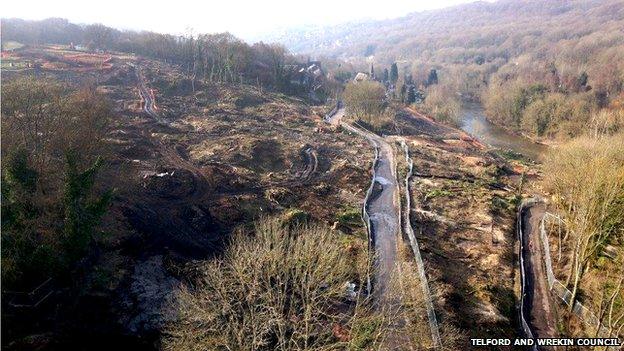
pixel 282 288
pixel 37 242
pixel 366 102
pixel 443 104
pixel 49 208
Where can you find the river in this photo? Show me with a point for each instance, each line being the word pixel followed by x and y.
pixel 475 123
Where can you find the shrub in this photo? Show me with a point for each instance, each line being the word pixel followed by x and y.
pixel 282 288
pixel 586 178
pixel 443 104
pixel 50 210
pixel 365 101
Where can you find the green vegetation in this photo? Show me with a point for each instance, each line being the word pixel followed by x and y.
pixel 350 217
pixel 509 154
pixel 436 193
pixel 394 73
pixel 296 216
pixel 82 212
pixel 52 140
pixel 500 205
pixel 365 333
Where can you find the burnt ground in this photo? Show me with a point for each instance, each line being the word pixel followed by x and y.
pixel 463 216
pixel 215 160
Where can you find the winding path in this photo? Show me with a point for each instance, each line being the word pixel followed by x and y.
pixel 200 188
pixel 311 163
pixel 382 206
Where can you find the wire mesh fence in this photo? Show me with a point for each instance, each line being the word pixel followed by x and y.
pixel 523 321
pixel 560 290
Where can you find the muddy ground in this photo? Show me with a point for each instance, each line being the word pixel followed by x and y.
pixel 217 156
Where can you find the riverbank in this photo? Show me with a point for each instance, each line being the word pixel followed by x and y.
pixel 474 121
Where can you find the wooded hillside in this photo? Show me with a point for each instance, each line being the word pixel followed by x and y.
pixel 566 56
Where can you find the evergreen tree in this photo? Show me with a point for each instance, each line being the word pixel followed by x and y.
pixel 26 259
pixel 433 77
pixel 19 182
pixel 82 212
pixel 386 75
pixel 411 95
pixel 402 94
pixel 409 79
pixel 582 79
pixel 394 73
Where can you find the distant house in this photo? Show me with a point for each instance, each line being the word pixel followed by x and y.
pixel 308 75
pixel 361 77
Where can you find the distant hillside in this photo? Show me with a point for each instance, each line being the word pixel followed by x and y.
pixel 218 57
pixel 542 67
pixel 505 29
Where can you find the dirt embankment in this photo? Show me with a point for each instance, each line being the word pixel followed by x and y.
pixel 463 214
pixel 239 154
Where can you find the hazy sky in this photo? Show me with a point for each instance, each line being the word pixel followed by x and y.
pixel 242 18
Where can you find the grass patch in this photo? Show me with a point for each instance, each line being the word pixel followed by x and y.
pixel 437 193
pixel 349 217
pixel 365 333
pixel 500 205
pixel 295 216
pixel 511 155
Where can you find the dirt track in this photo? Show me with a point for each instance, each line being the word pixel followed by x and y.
pixel 382 207
pixel 172 156
pixel 537 304
pixel 384 215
